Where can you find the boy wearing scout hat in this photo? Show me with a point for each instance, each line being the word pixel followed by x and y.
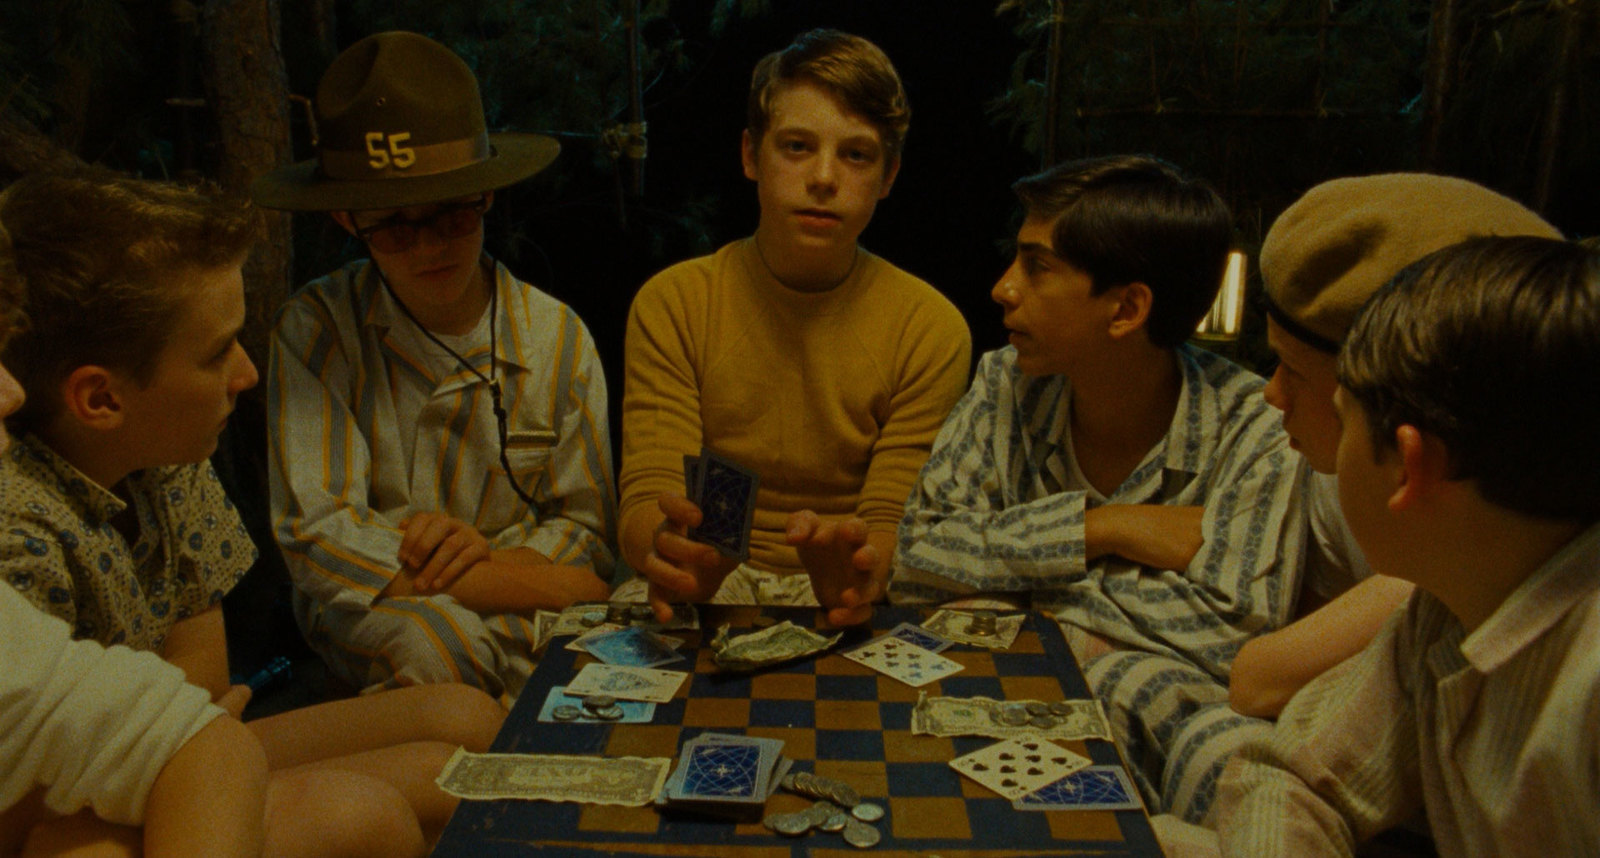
pixel 1320 261
pixel 441 466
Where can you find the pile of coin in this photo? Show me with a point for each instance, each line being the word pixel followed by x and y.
pixel 1033 713
pixel 984 624
pixel 839 809
pixel 601 707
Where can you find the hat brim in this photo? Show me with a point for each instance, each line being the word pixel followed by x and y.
pixel 303 187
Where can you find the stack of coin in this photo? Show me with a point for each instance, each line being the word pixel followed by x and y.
pixel 617 613
pixel 984 624
pixel 602 706
pixel 1031 713
pixel 593 618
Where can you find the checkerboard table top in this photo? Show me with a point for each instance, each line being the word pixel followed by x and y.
pixel 837 718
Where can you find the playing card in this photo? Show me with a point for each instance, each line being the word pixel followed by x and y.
pixel 631 646
pixel 691 478
pixel 1091 788
pixel 915 634
pixel 726 493
pixel 721 771
pixel 626 683
pixel 633 711
pixel 906 662
pixel 576 644
pixel 1016 767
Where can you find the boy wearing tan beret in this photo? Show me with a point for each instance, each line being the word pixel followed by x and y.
pixel 1321 260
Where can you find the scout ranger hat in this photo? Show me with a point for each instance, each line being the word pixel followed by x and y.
pixel 400 123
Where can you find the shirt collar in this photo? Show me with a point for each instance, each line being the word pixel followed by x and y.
pixel 94 501
pixel 384 314
pixel 1186 437
pixel 1538 604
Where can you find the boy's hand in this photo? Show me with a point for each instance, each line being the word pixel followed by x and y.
pixel 846 573
pixel 1161 537
pixel 438 549
pixel 235 699
pixel 678 568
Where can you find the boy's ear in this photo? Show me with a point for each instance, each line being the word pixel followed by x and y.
pixel 1132 310
pixel 89 395
pixel 1423 467
pixel 747 154
pixel 891 170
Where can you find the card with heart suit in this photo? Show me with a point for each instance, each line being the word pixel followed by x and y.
pixel 1017 767
pixel 904 661
pixel 626 683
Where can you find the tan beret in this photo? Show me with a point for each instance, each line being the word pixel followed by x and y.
pixel 1337 244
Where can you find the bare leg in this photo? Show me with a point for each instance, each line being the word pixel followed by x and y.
pixel 335 814
pixel 82 835
pixel 409 769
pixel 454 714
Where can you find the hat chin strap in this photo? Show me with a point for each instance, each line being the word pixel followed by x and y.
pixel 388 156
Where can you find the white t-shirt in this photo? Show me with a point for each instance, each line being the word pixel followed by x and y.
pixel 93 725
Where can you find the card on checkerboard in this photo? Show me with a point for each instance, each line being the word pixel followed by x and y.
pixel 632 646
pixel 1090 788
pixel 725 491
pixel 1016 767
pixel 906 662
pixel 627 683
pixel 633 711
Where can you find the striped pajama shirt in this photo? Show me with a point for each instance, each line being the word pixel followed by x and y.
pixel 999 508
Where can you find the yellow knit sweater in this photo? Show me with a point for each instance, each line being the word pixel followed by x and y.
pixel 834 398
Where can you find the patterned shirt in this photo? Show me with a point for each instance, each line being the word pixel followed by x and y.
pixel 992 512
pixel 349 461
pixel 60 550
pixel 1493 732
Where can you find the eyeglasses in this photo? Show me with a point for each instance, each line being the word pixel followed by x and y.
pixel 398 235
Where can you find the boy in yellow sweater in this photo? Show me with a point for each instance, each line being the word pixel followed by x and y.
pixel 794 352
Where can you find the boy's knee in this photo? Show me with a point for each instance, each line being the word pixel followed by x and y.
pixel 462 715
pixel 342 814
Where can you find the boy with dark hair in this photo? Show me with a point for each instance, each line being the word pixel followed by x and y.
pixel 1072 475
pixel 1466 465
pixel 1320 261
pixel 441 467
pixel 112 520
pixel 795 352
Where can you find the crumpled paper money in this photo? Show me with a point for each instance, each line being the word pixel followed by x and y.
pixel 776 645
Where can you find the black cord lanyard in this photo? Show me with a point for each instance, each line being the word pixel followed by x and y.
pixel 492 379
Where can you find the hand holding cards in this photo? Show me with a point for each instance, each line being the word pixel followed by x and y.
pixel 725 491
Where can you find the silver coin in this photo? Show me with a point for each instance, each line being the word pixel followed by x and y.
pixel 590 619
pixel 771 821
pixel 617 613
pixel 861 835
pixel 803 782
pixel 641 612
pixel 821 812
pixel 788 782
pixel 835 823
pixel 609 713
pixel 566 712
pixel 985 616
pixel 1034 707
pixel 844 795
pixel 1013 716
pixel 867 811
pixel 599 701
pixel 1061 707
pixel 791 824
pixel 1043 722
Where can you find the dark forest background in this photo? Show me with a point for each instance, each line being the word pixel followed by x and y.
pixel 1263 97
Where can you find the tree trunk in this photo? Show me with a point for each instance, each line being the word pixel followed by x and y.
pixel 1440 74
pixel 247 90
pixel 1569 24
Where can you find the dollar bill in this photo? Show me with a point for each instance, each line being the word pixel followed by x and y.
pixel 580 618
pixel 626 781
pixel 544 626
pixel 775 645
pixel 981 716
